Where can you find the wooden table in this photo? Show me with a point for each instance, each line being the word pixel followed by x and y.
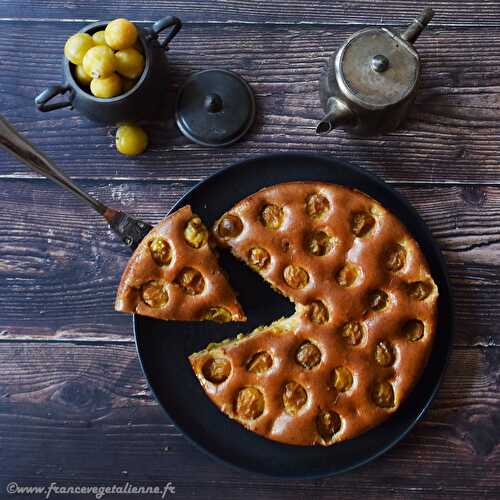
pixel 75 407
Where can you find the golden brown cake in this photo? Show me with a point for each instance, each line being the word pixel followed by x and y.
pixel 364 324
pixel 174 275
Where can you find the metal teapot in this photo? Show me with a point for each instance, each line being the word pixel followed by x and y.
pixel 371 81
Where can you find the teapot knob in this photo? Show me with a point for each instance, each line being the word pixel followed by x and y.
pixel 380 63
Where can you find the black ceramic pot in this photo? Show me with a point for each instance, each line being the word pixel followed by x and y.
pixel 145 101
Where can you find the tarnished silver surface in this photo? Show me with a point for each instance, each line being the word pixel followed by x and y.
pixel 371 81
pixel 371 88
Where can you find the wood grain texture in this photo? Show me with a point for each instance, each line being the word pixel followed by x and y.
pixel 74 405
pixel 90 411
pixel 259 11
pixel 453 133
pixel 60 264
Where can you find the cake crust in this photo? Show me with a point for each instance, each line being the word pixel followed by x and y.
pixel 365 319
pixel 174 275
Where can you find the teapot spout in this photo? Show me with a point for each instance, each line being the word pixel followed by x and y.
pixel 327 124
pixel 338 115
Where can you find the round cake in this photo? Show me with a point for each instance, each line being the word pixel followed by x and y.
pixel 366 308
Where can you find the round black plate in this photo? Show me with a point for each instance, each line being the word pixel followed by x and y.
pixel 163 347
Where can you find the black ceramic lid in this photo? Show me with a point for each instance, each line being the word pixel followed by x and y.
pixel 215 108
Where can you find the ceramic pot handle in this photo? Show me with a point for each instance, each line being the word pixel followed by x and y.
pixel 49 93
pixel 162 24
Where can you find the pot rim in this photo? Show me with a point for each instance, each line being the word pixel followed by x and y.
pixel 75 86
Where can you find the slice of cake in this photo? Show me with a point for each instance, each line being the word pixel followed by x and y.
pixel 174 275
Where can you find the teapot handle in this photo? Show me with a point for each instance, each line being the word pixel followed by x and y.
pixel 162 24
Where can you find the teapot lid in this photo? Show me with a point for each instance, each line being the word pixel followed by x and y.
pixel 215 107
pixel 377 68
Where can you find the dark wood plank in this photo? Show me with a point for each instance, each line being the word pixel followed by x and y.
pixel 453 134
pixel 60 264
pixel 278 11
pixel 84 414
pixel 74 405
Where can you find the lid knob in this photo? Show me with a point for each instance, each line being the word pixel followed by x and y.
pixel 213 103
pixel 380 63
